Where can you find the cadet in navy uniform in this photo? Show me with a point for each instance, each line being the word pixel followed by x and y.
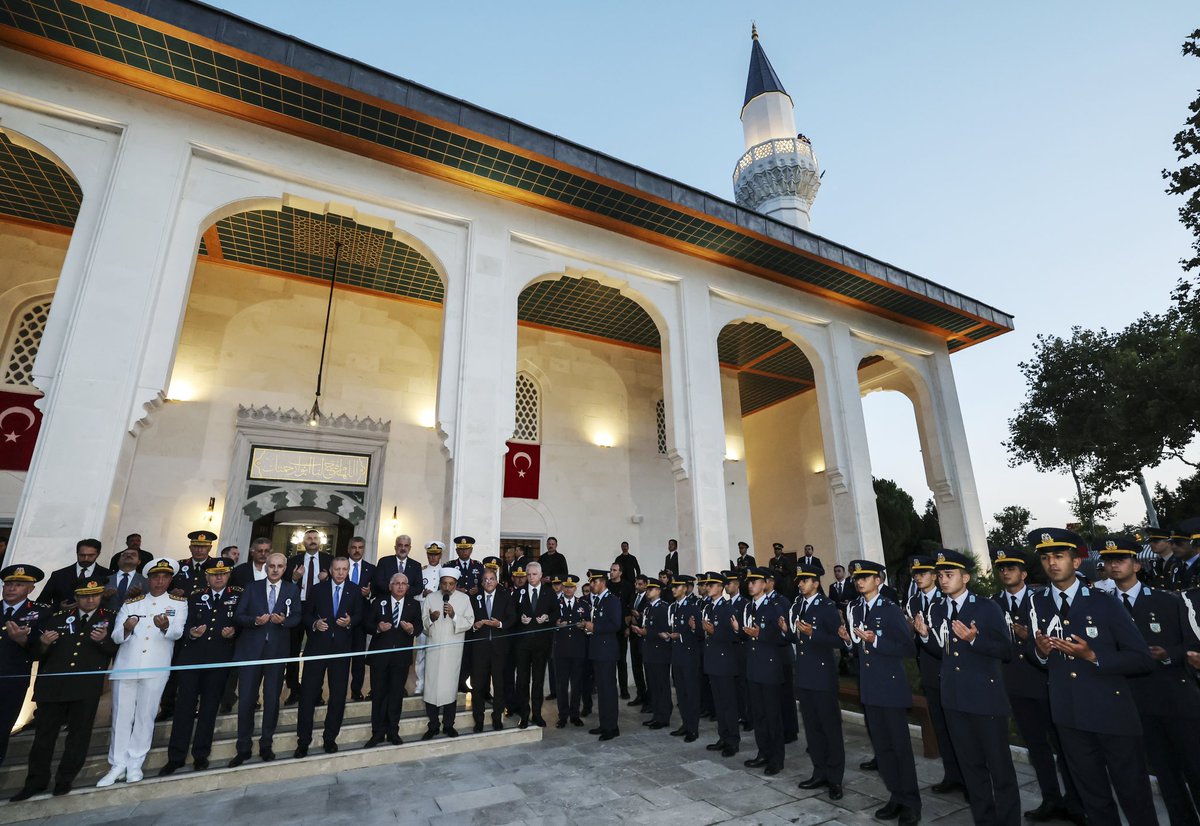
pixel 686 632
pixel 394 622
pixel 765 667
pixel 733 593
pixel 969 637
pixel 655 632
pixel 331 615
pixel 788 714
pixel 602 651
pixel 1185 539
pixel 495 618
pixel 812 625
pixel 1028 696
pixel 722 663
pixel 1091 646
pixel 1168 698
pixel 883 639
pixel 19 622
pixel 570 651
pixel 74 640
pixel 208 638
pixel 930 668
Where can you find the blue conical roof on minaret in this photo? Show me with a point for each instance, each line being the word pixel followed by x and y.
pixel 762 77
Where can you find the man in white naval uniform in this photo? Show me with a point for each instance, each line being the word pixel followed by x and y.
pixel 145 632
pixel 429 579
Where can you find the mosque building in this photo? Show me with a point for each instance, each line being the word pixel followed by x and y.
pixel 250 285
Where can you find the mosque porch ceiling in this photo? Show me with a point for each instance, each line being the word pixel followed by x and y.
pixel 36 189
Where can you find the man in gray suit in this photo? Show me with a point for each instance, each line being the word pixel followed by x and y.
pixel 126 582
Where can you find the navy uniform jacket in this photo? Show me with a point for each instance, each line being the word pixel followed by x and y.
pixel 396 637
pixel 1181 576
pixel 471 575
pixel 972 674
pixel 1093 697
pixel 784 606
pixel 215 614
pixel 816 656
pixel 571 642
pixel 190 579
pixel 1168 690
pixel 503 610
pixel 389 566
pixel 686 650
pixel 766 662
pixel 654 648
pixel 74 650
pixel 929 666
pixel 18 659
pixel 1024 674
pixel 335 639
pixel 722 649
pixel 882 680
pixel 606 622
pixel 267 641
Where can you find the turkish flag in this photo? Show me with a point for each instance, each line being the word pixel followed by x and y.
pixel 522 466
pixel 20 422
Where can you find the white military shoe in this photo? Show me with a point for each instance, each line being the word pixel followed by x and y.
pixel 114 774
pixel 133 775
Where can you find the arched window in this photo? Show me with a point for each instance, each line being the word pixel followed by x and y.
pixel 528 424
pixel 660 419
pixel 27 328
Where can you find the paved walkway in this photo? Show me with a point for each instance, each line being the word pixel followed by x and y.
pixel 641 777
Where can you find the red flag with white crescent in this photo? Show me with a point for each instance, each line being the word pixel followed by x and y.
pixel 20 422
pixel 522 466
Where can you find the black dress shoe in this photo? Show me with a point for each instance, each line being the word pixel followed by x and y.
pixel 909 817
pixel 870 765
pixel 163 715
pixel 813 783
pixel 429 734
pixel 61 788
pixel 889 812
pixel 539 722
pixel 637 701
pixel 1046 811
pixel 300 752
pixel 357 697
pixel 450 731
pixel 690 737
pixel 586 712
pixel 478 728
pixel 238 760
pixel 717 746
pixel 1078 818
pixel 945 787
pixel 292 699
pixel 835 791
pixel 524 723
pixel 608 735
pixel 679 732
pixel 331 748
pixel 562 723
pixel 170 768
pixel 596 730
pixel 374 741
pixel 225 708
pixel 320 701
pixel 624 695
pixel 25 794
pixel 755 762
pixel 655 725
pixel 728 751
pixel 747 726
pixel 395 740
pixel 199 764
pixel 771 771
pixel 575 721
pixel 497 725
pixel 267 755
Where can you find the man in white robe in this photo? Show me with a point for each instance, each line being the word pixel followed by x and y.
pixel 447 616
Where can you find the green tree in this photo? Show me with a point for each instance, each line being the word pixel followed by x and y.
pixel 1181 502
pixel 1012 523
pixel 1185 180
pixel 899 525
pixel 931 528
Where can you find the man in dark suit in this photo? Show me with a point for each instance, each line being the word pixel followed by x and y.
pixel 78 639
pixel 134 540
pixel 331 614
pixel 553 563
pixel 883 640
pixel 266 614
pixel 125 582
pixel 603 626
pixel 1168 698
pixel 672 561
pixel 399 562
pixel 254 568
pixel 362 574
pixel 395 622
pixel 722 663
pixel 1026 683
pixel 812 627
pixel 765 666
pixel 970 639
pixel 495 617
pixel 305 571
pixel 536 613
pixel 1091 647
pixel 19 621
pixel 59 590
pixel 570 651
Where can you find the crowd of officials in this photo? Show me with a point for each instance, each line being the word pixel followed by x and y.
pixel 1099 677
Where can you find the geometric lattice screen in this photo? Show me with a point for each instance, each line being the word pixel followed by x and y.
pixel 660 420
pixel 527 427
pixel 23 346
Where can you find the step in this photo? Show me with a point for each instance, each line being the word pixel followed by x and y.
pixel 226 725
pixel 187 782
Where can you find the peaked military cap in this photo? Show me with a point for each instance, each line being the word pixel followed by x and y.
pixel 518 570
pixel 778 546
pixel 464 541
pixel 920 562
pixel 596 573
pixel 866 567
pixel 759 573
pixel 202 537
pixel 805 570
pixel 1111 547
pixel 162 565
pixel 21 573
pixel 732 576
pixel 491 562
pixel 1008 556
pixel 1047 539
pixel 683 579
pixel 1189 528
pixel 953 560
pixel 88 588
pixel 218 565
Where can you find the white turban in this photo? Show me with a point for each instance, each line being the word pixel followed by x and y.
pixel 453 573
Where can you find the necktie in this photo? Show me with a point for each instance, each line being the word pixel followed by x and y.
pixel 8 612
pixel 354 574
pixel 271 600
pixel 337 598
pixel 953 611
pixel 925 604
pixel 122 586
pixel 1015 609
pixel 1128 604
pixel 1064 609
pixel 312 573
pixel 395 613
pixel 489 606
pixel 533 600
pixel 803 608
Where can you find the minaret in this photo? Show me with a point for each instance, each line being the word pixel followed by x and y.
pixel 778 174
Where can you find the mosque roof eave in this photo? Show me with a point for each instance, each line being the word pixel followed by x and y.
pixel 209 57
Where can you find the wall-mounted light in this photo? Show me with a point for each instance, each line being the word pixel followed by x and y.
pixel 603 439
pixel 212 504
pixel 819 467
pixel 394 522
pixel 427 418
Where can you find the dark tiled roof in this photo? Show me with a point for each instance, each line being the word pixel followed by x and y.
pixel 762 77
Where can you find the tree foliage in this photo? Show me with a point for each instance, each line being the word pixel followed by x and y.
pixel 1185 180
pixel 931 527
pixel 899 525
pixel 1012 523
pixel 1178 503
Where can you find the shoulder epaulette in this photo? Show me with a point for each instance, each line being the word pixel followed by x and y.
pixel 237 588
pixel 177 598
pixel 138 598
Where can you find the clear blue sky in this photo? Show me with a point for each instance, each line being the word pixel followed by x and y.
pixel 1011 151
